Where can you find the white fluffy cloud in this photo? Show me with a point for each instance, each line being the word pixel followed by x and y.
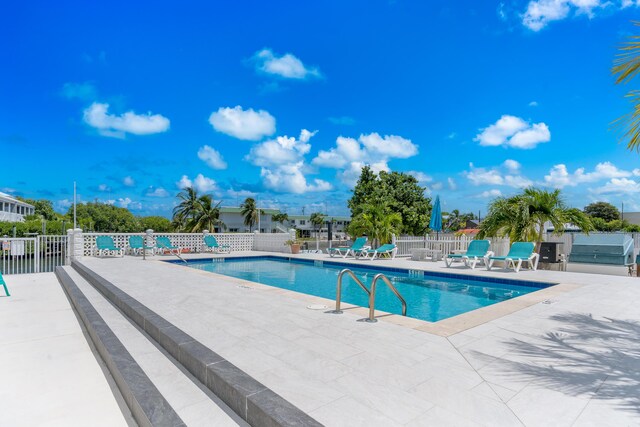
pixel 212 157
pixel 512 131
pixel 560 177
pixel 511 165
pixel 281 151
pixel 347 150
pixel 286 66
pixel 126 203
pixel 391 146
pixel 201 183
pixel 352 155
pixel 619 186
pixel 97 116
pixel 184 182
pixel 289 178
pixel 505 174
pixel 157 192
pixel 243 124
pixel 540 13
pixel 283 165
pixel 128 181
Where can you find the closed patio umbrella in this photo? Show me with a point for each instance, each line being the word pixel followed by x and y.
pixel 436 217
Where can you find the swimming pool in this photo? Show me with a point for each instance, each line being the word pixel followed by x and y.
pixel 429 296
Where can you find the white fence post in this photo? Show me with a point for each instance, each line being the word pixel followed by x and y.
pixel 36 255
pixel 78 244
pixel 69 253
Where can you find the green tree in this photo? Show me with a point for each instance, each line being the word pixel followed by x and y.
pixel 363 191
pixel 249 211
pixel 456 220
pixel 156 223
pixel 317 219
pixel 42 208
pixel 397 192
pixel 522 217
pixel 187 207
pixel 626 66
pixel 603 210
pixel 103 217
pixel 377 222
pixel 207 216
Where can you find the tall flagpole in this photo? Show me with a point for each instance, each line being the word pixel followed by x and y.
pixel 74 205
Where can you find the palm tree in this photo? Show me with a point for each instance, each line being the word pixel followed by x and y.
pixel 377 223
pixel 317 219
pixel 627 66
pixel 207 217
pixel 250 211
pixel 280 218
pixel 522 217
pixel 187 208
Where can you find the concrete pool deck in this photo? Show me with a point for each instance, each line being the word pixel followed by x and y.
pixel 49 374
pixel 568 359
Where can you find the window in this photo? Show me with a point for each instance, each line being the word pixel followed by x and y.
pixel 303 222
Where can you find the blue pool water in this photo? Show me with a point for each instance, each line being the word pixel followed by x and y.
pixel 431 297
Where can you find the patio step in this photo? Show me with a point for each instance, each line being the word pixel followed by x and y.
pixel 158 390
pixel 252 401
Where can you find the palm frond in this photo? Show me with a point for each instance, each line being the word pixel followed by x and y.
pixel 626 66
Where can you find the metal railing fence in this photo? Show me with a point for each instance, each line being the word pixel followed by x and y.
pixel 38 254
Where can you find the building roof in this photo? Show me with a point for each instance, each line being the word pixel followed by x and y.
pixel 4 197
pixel 231 209
pixel 334 217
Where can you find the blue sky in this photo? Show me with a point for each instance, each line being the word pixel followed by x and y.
pixel 285 101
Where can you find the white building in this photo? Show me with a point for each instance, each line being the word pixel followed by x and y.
pixel 234 221
pixel 13 210
pixel 303 223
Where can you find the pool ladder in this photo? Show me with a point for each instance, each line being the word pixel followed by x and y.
pixel 371 293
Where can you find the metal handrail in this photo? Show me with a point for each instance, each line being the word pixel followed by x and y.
pixel 339 288
pixel 372 296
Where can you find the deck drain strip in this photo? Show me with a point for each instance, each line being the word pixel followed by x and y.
pixel 148 406
pixel 251 400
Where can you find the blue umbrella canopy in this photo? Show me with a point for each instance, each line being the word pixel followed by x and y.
pixel 436 216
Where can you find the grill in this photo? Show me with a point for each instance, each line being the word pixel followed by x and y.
pixel 609 249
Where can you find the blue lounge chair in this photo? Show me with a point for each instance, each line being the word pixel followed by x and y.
pixel 136 245
pixel 477 251
pixel 388 250
pixel 519 253
pixel 344 251
pixel 164 244
pixel 105 246
pixel 211 244
pixel 3 283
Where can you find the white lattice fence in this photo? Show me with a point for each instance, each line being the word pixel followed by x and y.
pixel 237 241
pixel 271 242
pixel 121 240
pixel 192 242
